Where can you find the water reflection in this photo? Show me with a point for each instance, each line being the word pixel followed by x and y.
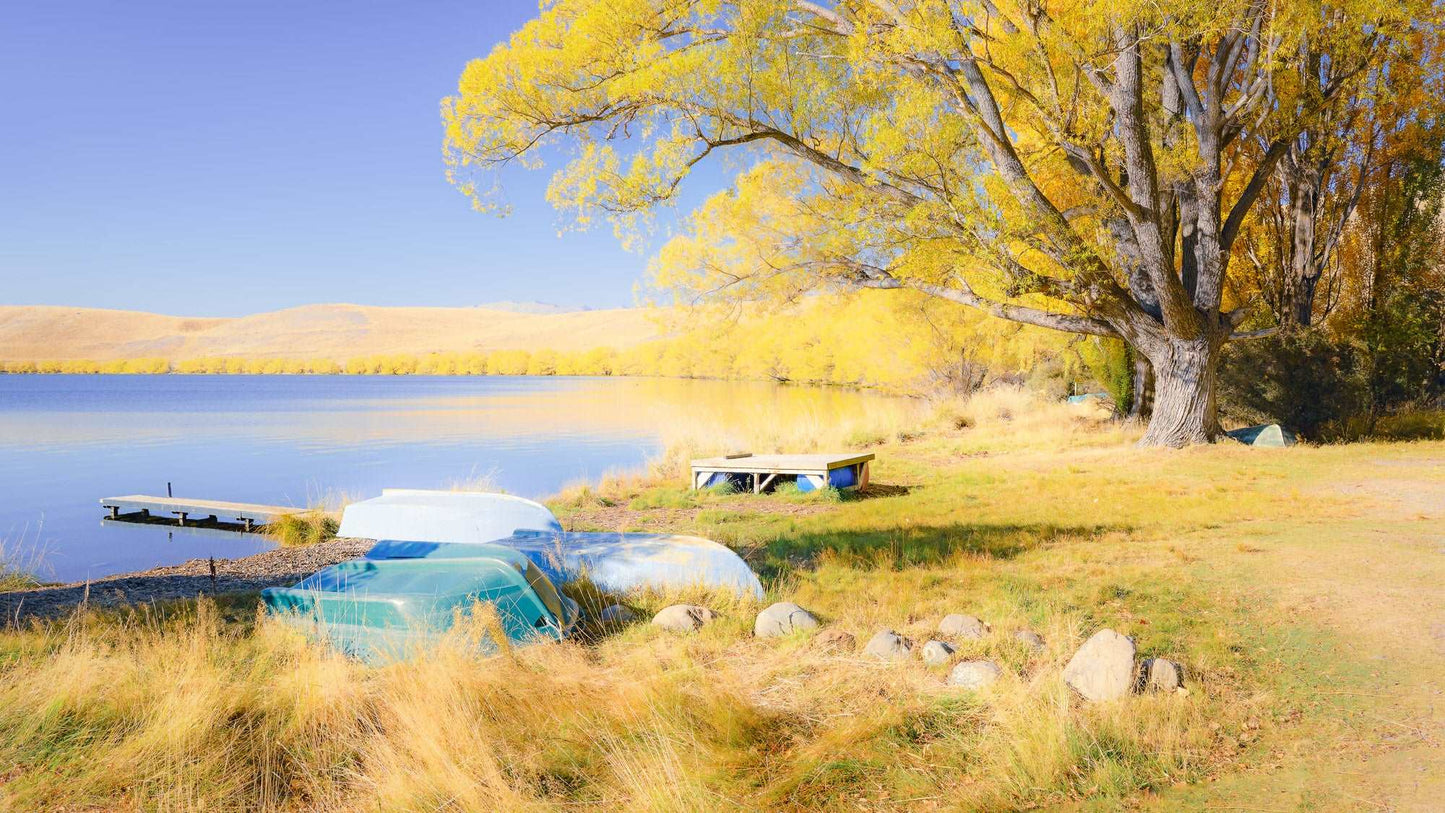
pixel 66 441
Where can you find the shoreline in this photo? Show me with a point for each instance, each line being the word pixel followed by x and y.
pixel 278 567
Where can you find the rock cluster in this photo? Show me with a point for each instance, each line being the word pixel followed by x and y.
pixel 1160 675
pixel 958 625
pixel 1031 639
pixel 888 645
pixel 835 641
pixel 683 617
pixel 1104 668
pixel 974 674
pixel 937 653
pixel 783 618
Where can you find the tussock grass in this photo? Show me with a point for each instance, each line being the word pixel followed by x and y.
pixel 306 528
pixel 20 562
pixel 483 481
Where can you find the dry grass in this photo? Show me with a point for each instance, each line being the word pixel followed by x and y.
pixel 206 705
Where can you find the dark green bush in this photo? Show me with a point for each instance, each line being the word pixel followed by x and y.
pixel 1305 381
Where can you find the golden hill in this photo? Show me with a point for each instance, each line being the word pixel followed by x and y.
pixel 36 333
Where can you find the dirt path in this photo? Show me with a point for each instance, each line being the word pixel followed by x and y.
pixel 1372 576
pixel 187 580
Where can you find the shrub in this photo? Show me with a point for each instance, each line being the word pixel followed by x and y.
pixel 1306 381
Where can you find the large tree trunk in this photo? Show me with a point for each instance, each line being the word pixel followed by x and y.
pixel 1184 406
pixel 1141 405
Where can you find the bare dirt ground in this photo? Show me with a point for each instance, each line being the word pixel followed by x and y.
pixel 1370 571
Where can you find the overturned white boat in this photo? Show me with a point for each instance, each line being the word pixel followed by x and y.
pixel 443 516
pixel 441 525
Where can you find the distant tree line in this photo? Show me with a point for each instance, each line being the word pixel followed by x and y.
pixel 902 344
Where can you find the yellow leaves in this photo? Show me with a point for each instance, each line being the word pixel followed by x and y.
pixel 583 183
pixel 896 340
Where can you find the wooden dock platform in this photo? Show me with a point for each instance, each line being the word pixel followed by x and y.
pixel 759 472
pixel 144 508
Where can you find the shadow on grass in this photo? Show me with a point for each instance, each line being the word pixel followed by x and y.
pixel 873 491
pixel 909 546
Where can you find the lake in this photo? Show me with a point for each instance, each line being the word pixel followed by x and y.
pixel 66 441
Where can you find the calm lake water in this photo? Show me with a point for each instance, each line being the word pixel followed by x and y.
pixel 67 441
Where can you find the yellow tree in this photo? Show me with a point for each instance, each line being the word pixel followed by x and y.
pixel 1085 167
pixel 1292 241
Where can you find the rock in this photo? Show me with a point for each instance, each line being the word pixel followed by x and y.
pixel 1032 639
pixel 616 615
pixel 959 625
pixel 835 641
pixel 683 617
pixel 936 653
pixel 783 618
pixel 889 646
pixel 1103 668
pixel 1160 675
pixel 974 674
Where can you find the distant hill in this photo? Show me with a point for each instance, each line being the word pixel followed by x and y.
pixel 40 333
pixel 535 308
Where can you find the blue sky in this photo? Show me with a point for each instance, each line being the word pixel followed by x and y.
pixel 223 158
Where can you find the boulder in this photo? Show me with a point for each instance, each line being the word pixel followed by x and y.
pixel 616 615
pixel 835 641
pixel 683 617
pixel 959 625
pixel 936 653
pixel 889 646
pixel 974 674
pixel 1103 668
pixel 1160 675
pixel 1030 638
pixel 783 618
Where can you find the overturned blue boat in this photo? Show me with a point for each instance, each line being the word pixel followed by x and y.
pixel 614 562
pixel 405 522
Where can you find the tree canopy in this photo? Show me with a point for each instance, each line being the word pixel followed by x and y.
pixel 1080 166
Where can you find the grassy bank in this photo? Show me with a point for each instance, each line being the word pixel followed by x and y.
pixel 1248 566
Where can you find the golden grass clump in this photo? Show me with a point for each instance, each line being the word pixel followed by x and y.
pixel 305 528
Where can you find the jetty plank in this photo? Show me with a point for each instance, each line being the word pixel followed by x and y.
pixel 142 506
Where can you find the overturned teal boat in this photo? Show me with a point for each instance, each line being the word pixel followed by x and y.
pixel 441 553
pixel 387 609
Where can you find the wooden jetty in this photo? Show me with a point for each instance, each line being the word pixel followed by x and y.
pixel 143 508
pixel 759 472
